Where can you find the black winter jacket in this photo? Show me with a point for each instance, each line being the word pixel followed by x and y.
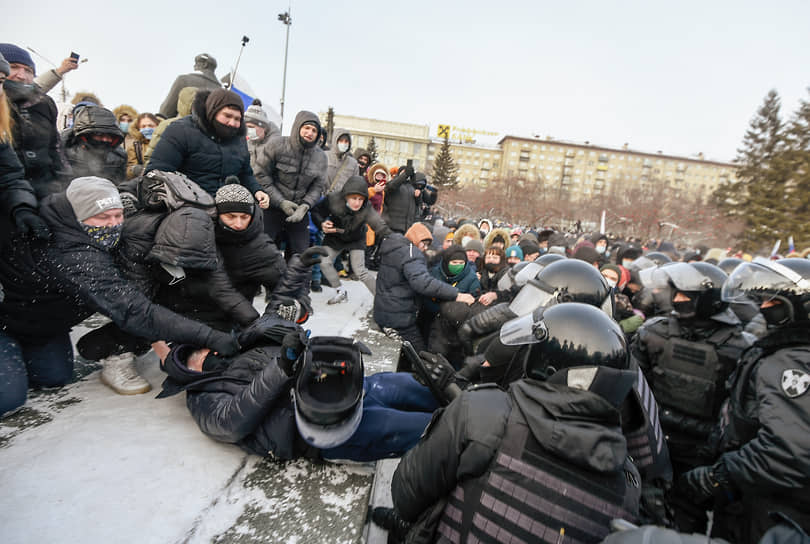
pixel 289 171
pixel 353 224
pixel 87 159
pixel 250 405
pixel 14 190
pixel 249 256
pixel 570 424
pixel 767 436
pixel 400 208
pixel 52 286
pixel 184 238
pixel 190 145
pixel 36 138
pixel 402 277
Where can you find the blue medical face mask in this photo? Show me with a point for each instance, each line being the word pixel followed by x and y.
pixel 124 126
pixel 147 132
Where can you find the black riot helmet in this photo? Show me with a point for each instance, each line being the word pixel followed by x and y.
pixel 710 302
pixel 328 396
pixel 728 264
pixel 567 280
pixel 548 258
pixel 688 280
pixel 566 336
pixel 762 281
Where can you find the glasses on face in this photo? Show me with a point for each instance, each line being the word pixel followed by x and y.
pixel 424 244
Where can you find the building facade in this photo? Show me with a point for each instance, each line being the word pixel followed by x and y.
pixel 571 170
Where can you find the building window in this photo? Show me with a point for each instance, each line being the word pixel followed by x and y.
pixel 404 147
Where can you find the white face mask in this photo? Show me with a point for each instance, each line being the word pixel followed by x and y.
pixel 343 147
pixel 251 134
pixel 626 263
pixel 600 249
pixel 610 282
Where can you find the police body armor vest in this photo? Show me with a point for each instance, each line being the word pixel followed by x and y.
pixel 688 376
pixel 526 495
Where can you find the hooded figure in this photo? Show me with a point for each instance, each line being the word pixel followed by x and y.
pixel 205 150
pixel 342 165
pixel 292 169
pixel 93 145
pixel 184 101
pixel 344 220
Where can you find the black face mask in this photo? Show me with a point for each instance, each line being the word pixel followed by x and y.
pixel 17 91
pixel 491 267
pixel 224 132
pixel 776 315
pixel 685 309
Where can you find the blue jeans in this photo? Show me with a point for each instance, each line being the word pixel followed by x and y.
pixel 396 410
pixel 36 365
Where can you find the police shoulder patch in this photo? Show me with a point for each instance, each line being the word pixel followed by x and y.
pixel 795 382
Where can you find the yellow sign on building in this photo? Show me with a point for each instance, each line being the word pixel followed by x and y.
pixel 443 131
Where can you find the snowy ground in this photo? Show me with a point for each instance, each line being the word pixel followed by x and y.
pixel 82 464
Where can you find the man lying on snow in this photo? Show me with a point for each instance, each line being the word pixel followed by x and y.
pixel 290 396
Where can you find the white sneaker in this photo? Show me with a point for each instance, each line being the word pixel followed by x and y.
pixel 341 296
pixel 119 374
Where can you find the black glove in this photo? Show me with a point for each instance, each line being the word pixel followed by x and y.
pixel 28 222
pixel 442 374
pixel 291 348
pixel 312 255
pixel 708 482
pixel 223 343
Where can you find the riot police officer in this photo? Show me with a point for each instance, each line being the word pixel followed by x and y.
pixel 765 431
pixel 687 357
pixel 543 461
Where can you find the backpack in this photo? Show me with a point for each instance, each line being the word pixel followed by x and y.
pixel 169 191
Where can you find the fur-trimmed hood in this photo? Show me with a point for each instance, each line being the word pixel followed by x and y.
pixel 504 233
pixel 198 115
pixel 467 230
pixel 125 108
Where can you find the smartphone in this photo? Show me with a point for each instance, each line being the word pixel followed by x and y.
pixel 74 56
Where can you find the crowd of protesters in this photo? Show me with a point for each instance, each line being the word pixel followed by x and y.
pixel 584 377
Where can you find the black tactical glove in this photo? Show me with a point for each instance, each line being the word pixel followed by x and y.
pixel 441 375
pixel 292 346
pixel 223 343
pixel 312 255
pixel 28 222
pixel 708 482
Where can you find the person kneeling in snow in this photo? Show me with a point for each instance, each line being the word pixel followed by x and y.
pixel 289 396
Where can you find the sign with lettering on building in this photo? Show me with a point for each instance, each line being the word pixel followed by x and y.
pixel 443 131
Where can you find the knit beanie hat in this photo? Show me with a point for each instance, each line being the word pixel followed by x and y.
pixel 453 253
pixel 91 195
pixel 220 98
pixel 234 198
pixel 528 247
pixel 12 53
pixel 514 251
pixel 256 115
pixel 474 245
pixel 4 67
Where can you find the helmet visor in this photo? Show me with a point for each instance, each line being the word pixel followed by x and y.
pixel 531 297
pixel 686 278
pixel 754 282
pixel 527 273
pixel 654 278
pixel 642 263
pixel 528 329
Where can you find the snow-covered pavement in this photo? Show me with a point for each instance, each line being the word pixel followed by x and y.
pixel 82 464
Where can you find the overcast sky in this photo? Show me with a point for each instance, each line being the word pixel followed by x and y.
pixel 684 77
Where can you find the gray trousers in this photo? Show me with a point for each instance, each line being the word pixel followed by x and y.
pixel 357 258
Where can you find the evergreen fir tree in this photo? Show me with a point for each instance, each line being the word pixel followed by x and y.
pixel 759 196
pixel 445 171
pixel 797 157
pixel 372 150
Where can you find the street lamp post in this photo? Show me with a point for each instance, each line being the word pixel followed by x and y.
pixel 287 21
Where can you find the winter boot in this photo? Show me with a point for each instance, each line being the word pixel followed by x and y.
pixel 341 296
pixel 119 374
